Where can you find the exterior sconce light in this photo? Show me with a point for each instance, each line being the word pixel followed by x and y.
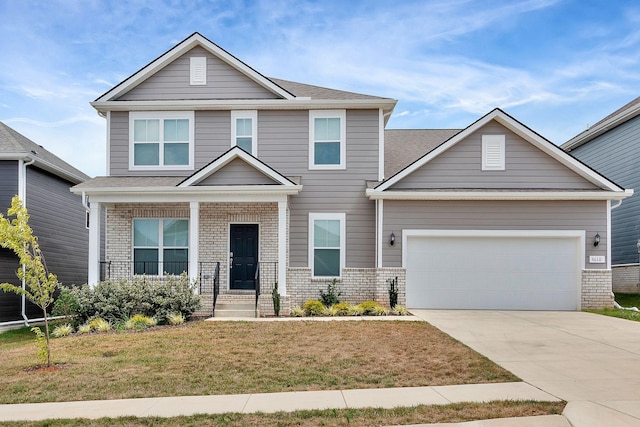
pixel 596 239
pixel 392 239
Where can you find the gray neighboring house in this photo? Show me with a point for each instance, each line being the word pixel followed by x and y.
pixel 56 216
pixel 212 163
pixel 612 146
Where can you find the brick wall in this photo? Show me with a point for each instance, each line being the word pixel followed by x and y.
pixel 596 289
pixel 626 278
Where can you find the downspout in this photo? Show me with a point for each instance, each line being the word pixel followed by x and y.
pixel 22 194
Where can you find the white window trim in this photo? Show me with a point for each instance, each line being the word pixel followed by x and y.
pixel 161 115
pixel 196 64
pixel 493 142
pixel 160 246
pixel 245 114
pixel 328 114
pixel 342 217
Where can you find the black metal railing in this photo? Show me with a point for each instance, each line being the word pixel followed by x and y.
pixel 257 280
pixel 128 269
pixel 216 288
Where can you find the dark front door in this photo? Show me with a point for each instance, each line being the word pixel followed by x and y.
pixel 244 255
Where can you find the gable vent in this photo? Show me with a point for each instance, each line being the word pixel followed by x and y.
pixel 198 70
pixel 493 153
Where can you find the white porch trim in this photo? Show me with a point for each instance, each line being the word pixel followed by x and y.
pixel 94 244
pixel 194 233
pixel 282 248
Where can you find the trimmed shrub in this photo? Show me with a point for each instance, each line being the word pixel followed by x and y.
pixel 119 300
pixel 313 307
pixel 99 324
pixel 343 309
pixel 85 328
pixel 369 308
pixel 379 311
pixel 297 311
pixel 400 310
pixel 140 321
pixel 176 319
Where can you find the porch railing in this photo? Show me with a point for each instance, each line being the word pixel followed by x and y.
pixel 216 288
pixel 257 280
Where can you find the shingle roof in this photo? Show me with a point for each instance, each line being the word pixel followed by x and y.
pixel 404 146
pixel 318 92
pixel 12 142
pixel 131 181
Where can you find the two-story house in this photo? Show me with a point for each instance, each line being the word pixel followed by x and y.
pixel 57 217
pixel 211 162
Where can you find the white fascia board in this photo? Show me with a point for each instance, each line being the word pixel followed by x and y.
pixel 232 154
pixel 182 48
pixel 57 171
pixel 524 132
pixel 374 194
pixel 591 133
pixel 231 193
pixel 244 104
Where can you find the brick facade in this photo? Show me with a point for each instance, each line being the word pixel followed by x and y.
pixel 596 289
pixel 626 278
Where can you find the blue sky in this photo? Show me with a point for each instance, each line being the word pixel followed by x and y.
pixel 555 65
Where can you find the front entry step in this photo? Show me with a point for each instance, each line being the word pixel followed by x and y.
pixel 236 306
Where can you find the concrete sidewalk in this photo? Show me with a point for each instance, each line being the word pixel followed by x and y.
pixel 293 401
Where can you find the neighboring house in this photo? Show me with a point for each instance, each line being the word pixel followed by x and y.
pixel 57 216
pixel 211 162
pixel 612 146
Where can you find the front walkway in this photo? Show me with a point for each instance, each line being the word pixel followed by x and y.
pixel 589 360
pixel 275 402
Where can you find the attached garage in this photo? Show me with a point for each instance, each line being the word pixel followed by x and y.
pixel 494 269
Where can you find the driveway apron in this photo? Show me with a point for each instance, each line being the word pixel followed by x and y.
pixel 576 356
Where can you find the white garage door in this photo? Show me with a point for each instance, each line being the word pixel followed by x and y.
pixel 493 270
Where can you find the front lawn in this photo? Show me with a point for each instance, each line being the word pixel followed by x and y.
pixel 625 300
pixel 203 358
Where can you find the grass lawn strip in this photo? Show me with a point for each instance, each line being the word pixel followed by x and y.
pixel 625 300
pixel 458 412
pixel 212 358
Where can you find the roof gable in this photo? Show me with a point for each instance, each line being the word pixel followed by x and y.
pixel 236 167
pixel 545 148
pixel 195 40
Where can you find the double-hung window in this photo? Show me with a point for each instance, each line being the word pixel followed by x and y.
pixel 327 244
pixel 161 140
pixel 244 131
pixel 327 139
pixel 160 246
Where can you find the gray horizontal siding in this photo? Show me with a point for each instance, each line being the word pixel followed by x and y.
pixel 172 82
pixel 616 154
pixel 494 215
pixel 526 167
pixel 59 220
pixel 10 303
pixel 237 172
pixel 9 183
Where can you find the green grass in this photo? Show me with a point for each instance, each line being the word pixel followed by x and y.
pixel 625 300
pixel 458 412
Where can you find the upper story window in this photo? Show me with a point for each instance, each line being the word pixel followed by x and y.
pixel 161 140
pixel 244 131
pixel 327 139
pixel 493 152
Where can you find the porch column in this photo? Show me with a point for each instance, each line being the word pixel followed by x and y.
pixel 282 248
pixel 194 234
pixel 94 244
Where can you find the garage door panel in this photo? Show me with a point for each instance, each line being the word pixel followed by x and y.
pixel 490 272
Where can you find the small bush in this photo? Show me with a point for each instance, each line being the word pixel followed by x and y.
pixel 297 311
pixel 400 310
pixel 140 321
pixel 355 310
pixel 176 319
pixel 330 311
pixel 379 311
pixel 369 307
pixel 85 328
pixel 98 324
pixel 332 296
pixel 342 309
pixel 313 307
pixel 66 304
pixel 62 330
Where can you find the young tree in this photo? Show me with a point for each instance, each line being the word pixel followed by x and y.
pixel 15 234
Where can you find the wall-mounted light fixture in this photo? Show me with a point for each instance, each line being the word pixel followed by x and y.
pixel 392 239
pixel 596 239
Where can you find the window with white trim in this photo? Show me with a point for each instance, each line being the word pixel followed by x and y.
pixel 327 244
pixel 161 140
pixel 160 246
pixel 493 152
pixel 327 139
pixel 244 130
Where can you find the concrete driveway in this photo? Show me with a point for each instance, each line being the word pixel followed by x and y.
pixel 591 361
